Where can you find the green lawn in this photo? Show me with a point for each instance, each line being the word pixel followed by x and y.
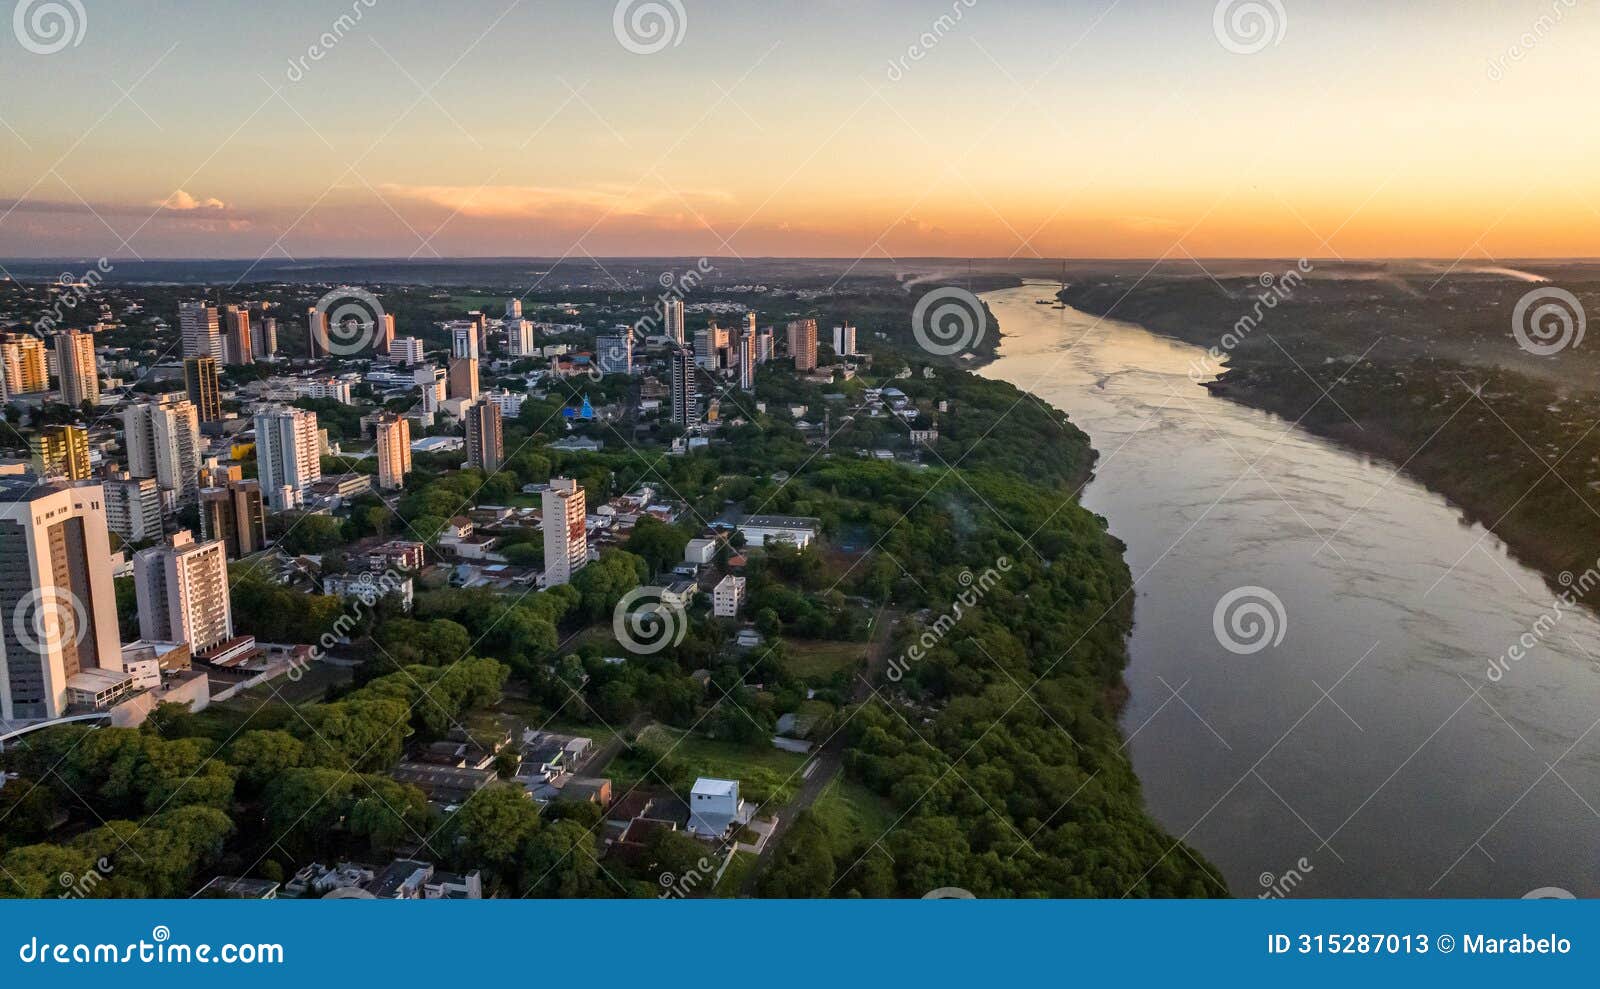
pixel 853 815
pixel 733 879
pixel 814 660
pixel 766 775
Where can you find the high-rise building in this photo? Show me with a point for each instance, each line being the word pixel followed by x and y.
pixel 288 455
pixel 519 338
pixel 237 347
pixel 202 337
pixel 747 359
pixel 163 441
pixel 764 346
pixel 432 381
pixel 263 333
pixel 844 340
pixel 566 541
pixel 80 378
pixel 182 590
pixel 59 641
pixel 750 321
pixel 613 352
pixel 803 344
pixel 405 350
pixel 234 513
pixel 464 363
pixel 485 444
pixel 61 452
pixel 384 338
pixel 25 368
pixel 705 348
pixel 200 380
pixel 674 316
pixel 133 506
pixel 394 450
pixel 513 308
pixel 685 389
pixel 316 333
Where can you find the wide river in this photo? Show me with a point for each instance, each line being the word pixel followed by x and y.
pixel 1367 752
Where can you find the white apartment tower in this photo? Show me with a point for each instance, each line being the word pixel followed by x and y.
pixel 747 359
pixel 80 378
pixel 163 441
pixel 202 336
pixel 674 316
pixel 394 451
pixel 566 543
pixel 182 589
pixel 288 455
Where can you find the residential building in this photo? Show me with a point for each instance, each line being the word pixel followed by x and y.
pixel 432 382
pixel 80 378
pixel 26 369
pixel 61 452
pixel 394 451
pixel 485 444
pixel 708 344
pixel 727 596
pixel 197 323
pixel 182 590
pixel 764 346
pixel 844 340
pixel 163 441
pixel 235 515
pixel 60 638
pixel 133 507
pixel 613 352
pixel 384 338
pixel 406 350
pixel 747 360
pixel 685 389
pixel 236 343
pixel 288 455
pixel 674 316
pixel 205 392
pixel 316 333
pixel 715 808
pixel 264 336
pixel 513 308
pixel 566 540
pixel 464 363
pixel 519 337
pixel 803 344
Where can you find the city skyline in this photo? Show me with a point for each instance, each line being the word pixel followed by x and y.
pixel 926 129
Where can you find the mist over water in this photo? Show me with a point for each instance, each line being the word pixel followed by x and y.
pixel 1368 752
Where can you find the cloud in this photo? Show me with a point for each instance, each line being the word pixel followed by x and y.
pixel 184 202
pixel 557 203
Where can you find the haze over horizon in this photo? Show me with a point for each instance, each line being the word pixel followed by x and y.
pixel 1090 129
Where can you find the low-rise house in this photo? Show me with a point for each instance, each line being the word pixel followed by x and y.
pixel 715 808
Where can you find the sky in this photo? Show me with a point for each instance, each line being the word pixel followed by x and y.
pixel 834 128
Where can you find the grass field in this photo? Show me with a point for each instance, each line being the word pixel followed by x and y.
pixel 819 661
pixel 853 815
pixel 765 775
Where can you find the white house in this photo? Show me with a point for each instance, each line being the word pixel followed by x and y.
pixel 727 596
pixel 761 529
pixel 715 808
pixel 700 551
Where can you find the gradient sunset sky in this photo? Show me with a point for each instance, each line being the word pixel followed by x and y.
pixel 1076 128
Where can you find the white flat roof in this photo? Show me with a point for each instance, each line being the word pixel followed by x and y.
pixel 708 785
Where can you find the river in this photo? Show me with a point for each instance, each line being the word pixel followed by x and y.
pixel 1358 747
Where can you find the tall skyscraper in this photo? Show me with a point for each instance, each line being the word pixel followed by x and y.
pixel 263 333
pixel 432 381
pixel 197 321
pixel 61 452
pixel 205 392
pixel 685 389
pixel 519 338
pixel 485 444
pixel 163 441
pixel 705 348
pixel 288 455
pixel 80 377
pixel 747 358
pixel 23 364
pixel 234 513
pixel 764 346
pixel 384 339
pixel 513 308
pixel 316 333
pixel 803 344
pixel 237 347
pixel 60 637
pixel 844 340
pixel 674 316
pixel 464 363
pixel 566 541
pixel 750 321
pixel 613 352
pixel 133 506
pixel 394 450
pixel 182 590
